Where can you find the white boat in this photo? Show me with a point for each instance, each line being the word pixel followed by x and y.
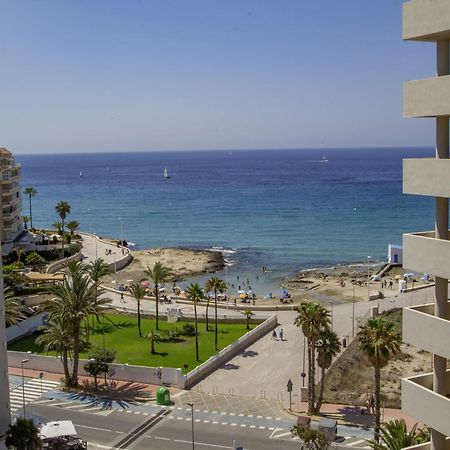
pixel 107 169
pixel 166 174
pixel 324 159
pixel 81 173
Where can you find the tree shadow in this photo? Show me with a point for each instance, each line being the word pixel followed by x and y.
pixel 230 366
pixel 249 353
pixel 106 397
pixel 163 354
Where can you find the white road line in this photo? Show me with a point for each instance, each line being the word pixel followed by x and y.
pixel 356 442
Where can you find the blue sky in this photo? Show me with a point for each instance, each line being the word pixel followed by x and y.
pixel 136 75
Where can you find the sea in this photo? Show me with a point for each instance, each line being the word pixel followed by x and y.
pixel 284 210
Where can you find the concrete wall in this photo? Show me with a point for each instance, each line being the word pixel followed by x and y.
pixel 59 265
pixel 125 372
pixel 200 372
pixel 422 253
pixel 426 19
pixel 427 98
pixel 417 392
pixel 426 176
pixel 25 327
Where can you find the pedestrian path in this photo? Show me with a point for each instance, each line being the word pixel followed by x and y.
pixel 29 392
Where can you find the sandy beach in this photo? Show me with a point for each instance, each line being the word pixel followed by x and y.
pixel 183 262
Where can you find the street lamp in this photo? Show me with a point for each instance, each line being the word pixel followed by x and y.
pixel 121 232
pixel 368 278
pixel 304 354
pixel 115 267
pixel 24 361
pixel 192 419
pixel 353 311
pixel 96 250
pixel 332 311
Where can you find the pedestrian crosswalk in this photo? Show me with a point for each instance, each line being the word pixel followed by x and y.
pixel 99 408
pixel 29 392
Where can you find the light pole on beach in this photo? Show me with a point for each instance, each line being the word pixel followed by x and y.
pixel 368 278
pixel 121 231
pixel 96 250
pixel 353 311
pixel 115 266
pixel 332 315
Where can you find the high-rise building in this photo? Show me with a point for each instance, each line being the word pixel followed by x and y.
pixel 426 397
pixel 11 225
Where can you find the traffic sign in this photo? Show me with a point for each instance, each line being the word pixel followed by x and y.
pixel 289 386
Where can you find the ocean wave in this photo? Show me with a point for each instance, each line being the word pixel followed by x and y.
pixel 224 251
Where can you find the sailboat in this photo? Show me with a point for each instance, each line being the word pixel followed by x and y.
pixel 324 159
pixel 81 173
pixel 166 174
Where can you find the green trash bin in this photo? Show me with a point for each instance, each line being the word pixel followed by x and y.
pixel 162 396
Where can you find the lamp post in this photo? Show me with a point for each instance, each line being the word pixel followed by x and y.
pixel 192 419
pixel 332 315
pixel 353 311
pixel 121 232
pixel 96 249
pixel 304 354
pixel 24 361
pixel 368 278
pixel 115 267
pixel 226 283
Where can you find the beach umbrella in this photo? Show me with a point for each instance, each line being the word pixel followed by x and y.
pixel 397 277
pixel 242 292
pixel 145 283
pixel 409 274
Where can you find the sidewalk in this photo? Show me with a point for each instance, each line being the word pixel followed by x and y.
pixel 351 415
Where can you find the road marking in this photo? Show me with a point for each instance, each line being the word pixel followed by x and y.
pixel 160 437
pixel 357 442
pixel 99 429
pixel 200 443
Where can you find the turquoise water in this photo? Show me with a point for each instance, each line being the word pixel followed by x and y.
pixel 281 209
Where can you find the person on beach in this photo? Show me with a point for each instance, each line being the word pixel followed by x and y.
pixel 281 334
pixel 274 335
pixel 121 298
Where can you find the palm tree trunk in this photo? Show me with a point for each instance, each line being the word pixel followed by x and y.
pixel 196 331
pixel 157 304
pixel 31 216
pixel 152 346
pixel 313 374
pixel 322 387
pixel 76 354
pixel 139 317
pixel 310 380
pixel 377 403
pixel 215 320
pixel 65 362
pixel 207 307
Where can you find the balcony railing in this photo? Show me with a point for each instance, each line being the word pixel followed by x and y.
pixel 426 176
pixel 420 402
pixel 436 331
pixel 424 253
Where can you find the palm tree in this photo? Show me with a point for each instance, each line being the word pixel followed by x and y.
pixel 73 226
pixel 62 208
pixel 215 285
pixel 159 274
pixel 23 435
pixel 154 338
pixel 57 336
pixel 248 313
pixel 313 319
pixel 138 293
pixel 195 294
pixel 12 308
pixel 395 436
pixel 25 220
pixel 19 251
pixel 328 347
pixel 75 299
pixel 31 192
pixel 58 227
pixel 379 340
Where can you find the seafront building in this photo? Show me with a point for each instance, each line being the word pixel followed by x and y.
pixel 426 397
pixel 11 224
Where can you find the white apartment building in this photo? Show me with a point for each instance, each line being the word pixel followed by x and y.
pixel 426 397
pixel 11 225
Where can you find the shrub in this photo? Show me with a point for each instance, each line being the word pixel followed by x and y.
pixel 188 329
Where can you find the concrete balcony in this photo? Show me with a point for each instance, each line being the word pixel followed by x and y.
pixel 426 176
pixel 420 402
pixel 423 253
pixel 436 331
pixel 426 20
pixel 429 97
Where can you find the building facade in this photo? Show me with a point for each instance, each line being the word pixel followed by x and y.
pixel 427 397
pixel 11 224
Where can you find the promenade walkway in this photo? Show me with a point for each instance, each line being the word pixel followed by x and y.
pixel 94 248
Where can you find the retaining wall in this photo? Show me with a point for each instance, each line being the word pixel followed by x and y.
pixel 59 265
pixel 200 372
pixel 124 372
pixel 25 327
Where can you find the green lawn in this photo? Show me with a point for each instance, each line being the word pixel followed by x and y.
pixel 123 338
